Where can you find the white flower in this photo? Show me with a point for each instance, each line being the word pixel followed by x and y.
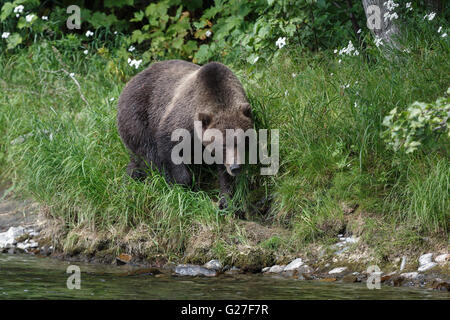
pixel 356 53
pixel 131 49
pixel 281 42
pixel 134 63
pixel 44 18
pixel 359 31
pixel 444 35
pixel 394 16
pixel 340 60
pixel 208 33
pixel 115 32
pixel 29 17
pixel 86 51
pixel 348 50
pixel 331 74
pixel 390 5
pixel 408 5
pixel 390 16
pixel 111 99
pixel 5 35
pixel 137 63
pixel 439 30
pixel 89 33
pixel 71 74
pixel 286 93
pixel 378 41
pixel 17 15
pixel 335 51
pixel 18 9
pixel 430 16
pixel 255 60
pixel 294 75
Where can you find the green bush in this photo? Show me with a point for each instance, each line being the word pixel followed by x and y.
pixel 408 129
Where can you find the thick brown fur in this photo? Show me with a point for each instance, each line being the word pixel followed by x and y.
pixel 170 95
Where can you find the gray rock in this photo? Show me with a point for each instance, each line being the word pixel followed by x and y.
pixel 425 259
pixel 27 244
pixel 403 264
pixel 305 269
pixel 276 269
pixel 233 270
pixel 8 238
pixel 427 266
pixel 194 270
pixel 213 265
pixel 337 270
pixel 295 264
pixel 410 275
pixel 442 258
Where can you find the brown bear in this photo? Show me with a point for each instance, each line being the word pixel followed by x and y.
pixel 170 95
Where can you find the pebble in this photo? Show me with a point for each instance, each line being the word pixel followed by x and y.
pixel 304 269
pixel 213 265
pixel 233 270
pixel 427 266
pixel 295 264
pixel 276 269
pixel 27 244
pixel 337 270
pixel 8 238
pixel 194 270
pixel 442 258
pixel 403 264
pixel 410 275
pixel 425 259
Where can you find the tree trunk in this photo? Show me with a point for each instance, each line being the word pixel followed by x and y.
pixel 436 6
pixel 387 30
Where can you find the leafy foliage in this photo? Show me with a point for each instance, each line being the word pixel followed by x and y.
pixel 408 129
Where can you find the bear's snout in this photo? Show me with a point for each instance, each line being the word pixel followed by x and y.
pixel 235 169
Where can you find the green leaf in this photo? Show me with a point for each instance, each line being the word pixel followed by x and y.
pixel 6 10
pixel 138 16
pixel 14 40
pixel 100 19
pixel 118 3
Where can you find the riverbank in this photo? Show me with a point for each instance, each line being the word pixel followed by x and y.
pixel 342 196
pixel 24 228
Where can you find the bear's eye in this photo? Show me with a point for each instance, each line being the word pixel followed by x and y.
pixel 205 118
pixel 247 111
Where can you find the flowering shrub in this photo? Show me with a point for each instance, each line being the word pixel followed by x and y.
pixel 199 31
pixel 408 129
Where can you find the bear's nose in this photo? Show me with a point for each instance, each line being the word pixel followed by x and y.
pixel 235 169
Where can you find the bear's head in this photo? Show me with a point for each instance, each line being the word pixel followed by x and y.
pixel 238 117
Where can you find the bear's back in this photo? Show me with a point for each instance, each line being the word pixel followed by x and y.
pixel 148 94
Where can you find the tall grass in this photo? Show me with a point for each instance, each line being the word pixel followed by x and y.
pixel 329 116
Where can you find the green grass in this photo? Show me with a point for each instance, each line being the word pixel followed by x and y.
pixel 331 153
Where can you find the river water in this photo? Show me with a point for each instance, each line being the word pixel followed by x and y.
pixel 30 277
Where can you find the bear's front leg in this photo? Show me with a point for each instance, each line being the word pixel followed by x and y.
pixel 226 183
pixel 175 173
pixel 180 174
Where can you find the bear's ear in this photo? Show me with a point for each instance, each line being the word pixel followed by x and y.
pixel 205 118
pixel 246 110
